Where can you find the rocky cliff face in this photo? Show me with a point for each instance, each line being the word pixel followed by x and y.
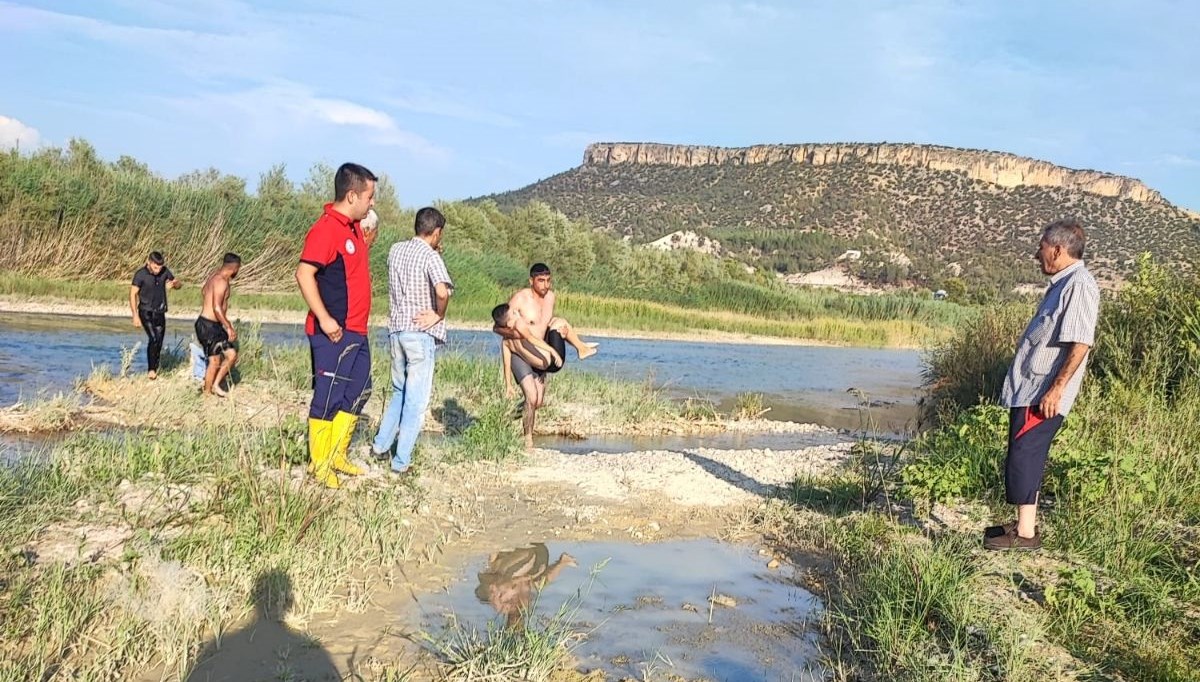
pixel 1005 170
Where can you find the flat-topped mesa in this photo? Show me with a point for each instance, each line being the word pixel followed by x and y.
pixel 999 168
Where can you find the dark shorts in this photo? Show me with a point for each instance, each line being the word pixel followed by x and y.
pixel 555 341
pixel 1029 438
pixel 522 369
pixel 212 336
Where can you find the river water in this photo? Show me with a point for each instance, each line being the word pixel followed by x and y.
pixel 45 354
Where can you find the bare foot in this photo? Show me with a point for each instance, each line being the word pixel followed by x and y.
pixel 217 391
pixel 588 350
pixel 152 374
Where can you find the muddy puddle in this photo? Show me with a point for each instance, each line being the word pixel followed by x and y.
pixel 694 609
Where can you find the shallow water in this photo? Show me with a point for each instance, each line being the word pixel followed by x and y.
pixel 646 607
pixel 45 354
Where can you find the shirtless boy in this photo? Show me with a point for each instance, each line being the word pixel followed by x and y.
pixel 213 329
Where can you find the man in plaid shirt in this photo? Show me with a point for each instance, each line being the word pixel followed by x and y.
pixel 418 292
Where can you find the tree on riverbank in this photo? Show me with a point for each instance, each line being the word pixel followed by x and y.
pixel 69 215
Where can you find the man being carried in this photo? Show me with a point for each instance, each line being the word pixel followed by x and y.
pixel 148 303
pixel 213 329
pixel 530 322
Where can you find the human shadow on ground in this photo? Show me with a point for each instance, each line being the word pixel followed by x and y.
pixel 265 648
pixel 835 497
pixel 732 476
pixel 453 417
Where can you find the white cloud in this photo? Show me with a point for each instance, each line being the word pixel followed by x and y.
pixel 449 107
pixel 290 109
pixel 13 133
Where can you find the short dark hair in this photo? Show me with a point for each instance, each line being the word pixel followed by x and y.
pixel 500 314
pixel 350 177
pixel 539 269
pixel 156 258
pixel 231 258
pixel 429 220
pixel 1067 233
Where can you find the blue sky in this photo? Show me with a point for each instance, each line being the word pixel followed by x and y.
pixel 455 99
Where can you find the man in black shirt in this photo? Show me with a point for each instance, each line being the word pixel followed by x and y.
pixel 148 303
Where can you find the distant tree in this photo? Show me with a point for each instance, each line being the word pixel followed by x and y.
pixel 274 187
pixel 82 155
pixel 318 186
pixel 130 165
pixel 956 289
pixel 228 187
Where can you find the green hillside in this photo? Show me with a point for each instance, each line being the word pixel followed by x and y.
pixel 913 224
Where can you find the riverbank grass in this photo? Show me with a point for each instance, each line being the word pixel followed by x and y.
pixel 1115 592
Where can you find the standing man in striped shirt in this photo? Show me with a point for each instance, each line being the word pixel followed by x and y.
pixel 419 290
pixel 1044 378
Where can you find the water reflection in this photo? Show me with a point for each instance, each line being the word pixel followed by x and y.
pixel 713 610
pixel 511 577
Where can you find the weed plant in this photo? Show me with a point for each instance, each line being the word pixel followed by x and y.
pixel 1121 595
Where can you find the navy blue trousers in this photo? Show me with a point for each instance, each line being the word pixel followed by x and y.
pixel 1029 438
pixel 341 375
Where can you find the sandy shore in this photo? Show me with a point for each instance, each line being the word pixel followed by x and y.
pixel 58 306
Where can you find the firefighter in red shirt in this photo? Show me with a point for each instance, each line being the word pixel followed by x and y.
pixel 335 279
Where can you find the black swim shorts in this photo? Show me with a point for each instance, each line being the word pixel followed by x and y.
pixel 212 336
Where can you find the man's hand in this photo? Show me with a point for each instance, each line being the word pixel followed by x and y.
pixel 232 333
pixel 1050 402
pixel 426 319
pixel 175 284
pixel 136 322
pixel 330 328
pixel 510 391
pixel 556 358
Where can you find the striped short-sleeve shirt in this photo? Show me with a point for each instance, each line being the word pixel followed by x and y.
pixel 1067 315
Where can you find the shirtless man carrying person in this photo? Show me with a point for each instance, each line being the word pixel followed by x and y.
pixel 530 322
pixel 213 329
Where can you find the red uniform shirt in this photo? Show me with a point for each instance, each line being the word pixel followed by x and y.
pixel 335 245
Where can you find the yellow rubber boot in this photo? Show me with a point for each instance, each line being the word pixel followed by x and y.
pixel 320 451
pixel 343 431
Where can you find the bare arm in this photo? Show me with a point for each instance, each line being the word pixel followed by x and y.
pixel 173 283
pixel 220 294
pixel 133 305
pixel 427 318
pixel 523 329
pixel 306 278
pixel 506 368
pixel 1050 401
pixel 506 332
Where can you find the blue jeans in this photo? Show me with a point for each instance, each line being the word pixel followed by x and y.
pixel 412 386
